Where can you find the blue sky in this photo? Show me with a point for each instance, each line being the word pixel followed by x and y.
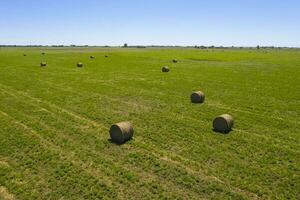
pixel 151 22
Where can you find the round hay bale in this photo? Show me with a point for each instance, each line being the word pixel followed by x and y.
pixel 92 57
pixel 175 61
pixel 165 69
pixel 197 97
pixel 43 64
pixel 79 64
pixel 223 123
pixel 121 132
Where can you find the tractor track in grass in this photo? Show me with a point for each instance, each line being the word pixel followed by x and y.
pixel 62 133
pixel 95 123
pixel 90 168
pixel 258 135
pixel 91 122
pixel 152 176
pixel 65 155
pixel 213 104
pixel 70 157
pixel 208 103
pixel 111 99
pixel 104 156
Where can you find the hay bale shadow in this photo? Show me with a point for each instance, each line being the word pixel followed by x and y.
pixel 119 144
pixel 221 132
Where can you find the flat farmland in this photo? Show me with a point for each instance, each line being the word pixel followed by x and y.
pixel 54 123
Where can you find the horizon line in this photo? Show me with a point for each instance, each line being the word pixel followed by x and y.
pixel 132 46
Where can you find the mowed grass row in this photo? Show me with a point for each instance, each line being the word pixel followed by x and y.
pixel 55 121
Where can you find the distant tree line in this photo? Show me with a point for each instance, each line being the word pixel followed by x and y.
pixel 242 47
pixel 157 46
pixel 72 45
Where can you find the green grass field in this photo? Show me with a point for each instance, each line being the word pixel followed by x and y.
pixel 54 122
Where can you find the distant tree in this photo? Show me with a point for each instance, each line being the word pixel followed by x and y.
pixel 125 45
pixel 258 47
